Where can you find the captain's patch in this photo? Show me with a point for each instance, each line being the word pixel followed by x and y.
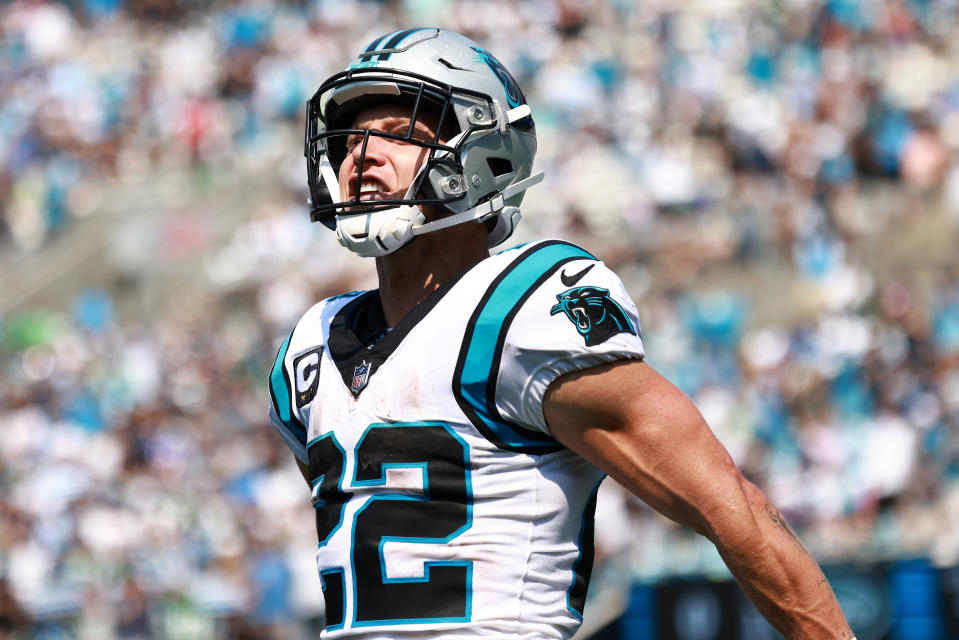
pixel 307 370
pixel 595 315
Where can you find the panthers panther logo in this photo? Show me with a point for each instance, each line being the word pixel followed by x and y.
pixel 597 316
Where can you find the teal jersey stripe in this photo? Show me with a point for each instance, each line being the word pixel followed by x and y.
pixel 486 333
pixel 280 394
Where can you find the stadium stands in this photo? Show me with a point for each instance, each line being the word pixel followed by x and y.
pixel 777 183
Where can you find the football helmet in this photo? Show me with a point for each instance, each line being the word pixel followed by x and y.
pixel 479 163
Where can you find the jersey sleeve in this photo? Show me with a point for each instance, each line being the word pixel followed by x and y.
pixel 294 379
pixel 578 316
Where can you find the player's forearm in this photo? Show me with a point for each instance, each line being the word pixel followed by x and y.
pixel 781 578
pixel 646 434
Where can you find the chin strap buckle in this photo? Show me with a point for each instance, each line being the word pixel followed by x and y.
pixel 505 118
pixel 497 202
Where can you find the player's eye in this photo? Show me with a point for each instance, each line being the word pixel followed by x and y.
pixel 420 132
pixel 401 131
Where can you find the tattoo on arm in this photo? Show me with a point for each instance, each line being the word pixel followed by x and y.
pixel 780 520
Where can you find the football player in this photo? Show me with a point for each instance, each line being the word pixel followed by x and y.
pixel 455 423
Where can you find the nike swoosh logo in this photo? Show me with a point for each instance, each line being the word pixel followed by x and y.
pixel 569 281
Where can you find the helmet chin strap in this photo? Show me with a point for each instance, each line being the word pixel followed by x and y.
pixel 373 234
pixel 376 233
pixel 483 210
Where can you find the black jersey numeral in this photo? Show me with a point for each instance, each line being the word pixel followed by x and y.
pixel 437 514
pixel 326 470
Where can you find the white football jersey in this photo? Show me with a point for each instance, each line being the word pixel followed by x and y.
pixel 444 508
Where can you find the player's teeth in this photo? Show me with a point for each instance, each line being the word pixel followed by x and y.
pixel 366 187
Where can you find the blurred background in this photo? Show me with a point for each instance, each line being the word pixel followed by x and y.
pixel 777 183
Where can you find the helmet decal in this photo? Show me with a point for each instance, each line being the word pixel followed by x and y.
pixel 370 47
pixel 513 94
pixel 395 41
pixel 382 48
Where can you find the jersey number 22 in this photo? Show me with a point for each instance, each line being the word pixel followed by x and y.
pixel 437 514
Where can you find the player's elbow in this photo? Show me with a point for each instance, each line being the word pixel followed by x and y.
pixel 731 518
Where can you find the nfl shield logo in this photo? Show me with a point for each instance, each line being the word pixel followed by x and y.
pixel 361 375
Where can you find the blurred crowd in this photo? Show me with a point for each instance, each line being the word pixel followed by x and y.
pixel 782 152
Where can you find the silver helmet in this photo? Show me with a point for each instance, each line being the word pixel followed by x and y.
pixel 479 163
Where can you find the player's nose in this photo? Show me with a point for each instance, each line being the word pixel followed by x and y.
pixel 373 153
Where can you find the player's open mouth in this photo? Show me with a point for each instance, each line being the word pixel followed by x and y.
pixel 370 190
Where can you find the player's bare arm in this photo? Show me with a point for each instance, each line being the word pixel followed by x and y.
pixel 647 435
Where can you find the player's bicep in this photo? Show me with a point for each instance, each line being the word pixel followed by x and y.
pixel 645 433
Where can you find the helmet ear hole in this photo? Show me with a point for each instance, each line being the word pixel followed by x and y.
pixel 499 166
